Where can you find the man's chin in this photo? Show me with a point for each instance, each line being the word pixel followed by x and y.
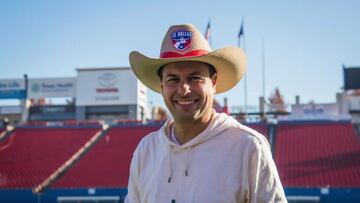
pixel 185 117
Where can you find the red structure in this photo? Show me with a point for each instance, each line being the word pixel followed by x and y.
pixel 30 155
pixel 318 155
pixel 107 164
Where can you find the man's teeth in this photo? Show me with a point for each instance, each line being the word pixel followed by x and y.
pixel 186 102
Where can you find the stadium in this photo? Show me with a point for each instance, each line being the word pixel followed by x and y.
pixel 80 151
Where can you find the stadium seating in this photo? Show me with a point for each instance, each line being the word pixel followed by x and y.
pixel 307 155
pixel 318 154
pixel 30 155
pixel 107 164
pixel 36 152
pixel 261 127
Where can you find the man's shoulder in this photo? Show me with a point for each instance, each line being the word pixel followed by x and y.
pixel 153 138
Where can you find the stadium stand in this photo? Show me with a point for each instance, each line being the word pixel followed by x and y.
pixel 310 156
pixel 107 164
pixel 34 153
pixel 325 154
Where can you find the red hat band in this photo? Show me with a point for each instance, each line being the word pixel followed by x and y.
pixel 193 53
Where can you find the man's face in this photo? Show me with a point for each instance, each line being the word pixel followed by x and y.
pixel 188 90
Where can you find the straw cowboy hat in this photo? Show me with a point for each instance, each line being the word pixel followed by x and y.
pixel 186 43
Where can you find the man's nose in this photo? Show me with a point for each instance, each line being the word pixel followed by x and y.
pixel 184 88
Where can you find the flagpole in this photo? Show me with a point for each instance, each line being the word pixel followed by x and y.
pixel 208 33
pixel 245 82
pixel 263 68
pixel 245 77
pixel 210 37
pixel 263 75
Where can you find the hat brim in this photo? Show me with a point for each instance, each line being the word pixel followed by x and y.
pixel 229 62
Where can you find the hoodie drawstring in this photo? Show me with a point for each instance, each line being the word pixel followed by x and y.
pixel 170 164
pixel 187 161
pixel 219 123
pixel 173 148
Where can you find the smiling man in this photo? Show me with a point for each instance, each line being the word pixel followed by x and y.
pixel 198 155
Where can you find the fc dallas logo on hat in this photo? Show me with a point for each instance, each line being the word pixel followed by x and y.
pixel 181 39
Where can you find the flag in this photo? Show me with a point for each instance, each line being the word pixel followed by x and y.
pixel 241 32
pixel 208 31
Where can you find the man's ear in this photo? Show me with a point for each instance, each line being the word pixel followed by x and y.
pixel 161 86
pixel 214 81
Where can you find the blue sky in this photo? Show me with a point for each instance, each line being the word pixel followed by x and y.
pixel 306 42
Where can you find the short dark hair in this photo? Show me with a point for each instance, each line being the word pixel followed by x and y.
pixel 211 69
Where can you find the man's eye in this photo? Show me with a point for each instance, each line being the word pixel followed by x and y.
pixel 171 80
pixel 196 78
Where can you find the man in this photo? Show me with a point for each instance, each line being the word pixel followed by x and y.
pixel 199 156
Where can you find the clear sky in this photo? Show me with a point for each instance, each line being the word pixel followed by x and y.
pixel 306 42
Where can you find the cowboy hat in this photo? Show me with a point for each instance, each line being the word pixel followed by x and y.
pixel 186 43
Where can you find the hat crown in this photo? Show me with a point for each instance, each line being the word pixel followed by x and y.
pixel 184 41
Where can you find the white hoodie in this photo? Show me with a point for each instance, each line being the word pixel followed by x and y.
pixel 227 162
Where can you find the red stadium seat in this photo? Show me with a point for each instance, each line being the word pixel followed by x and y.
pixel 34 153
pixel 318 155
pixel 107 164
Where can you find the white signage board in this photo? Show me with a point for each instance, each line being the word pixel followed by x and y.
pixel 51 87
pixel 107 86
pixel 12 88
pixel 313 111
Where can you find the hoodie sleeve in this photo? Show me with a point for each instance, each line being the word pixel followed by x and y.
pixel 265 185
pixel 133 195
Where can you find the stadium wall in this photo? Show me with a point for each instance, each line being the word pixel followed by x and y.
pixel 325 195
pixel 52 195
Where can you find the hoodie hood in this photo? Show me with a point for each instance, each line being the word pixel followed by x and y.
pixel 218 124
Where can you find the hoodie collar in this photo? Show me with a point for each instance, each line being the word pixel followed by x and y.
pixel 216 125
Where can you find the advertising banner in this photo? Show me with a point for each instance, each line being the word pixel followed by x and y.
pixel 107 86
pixel 314 111
pixel 51 87
pixel 12 89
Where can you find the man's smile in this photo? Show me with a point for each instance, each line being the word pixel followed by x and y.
pixel 186 101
